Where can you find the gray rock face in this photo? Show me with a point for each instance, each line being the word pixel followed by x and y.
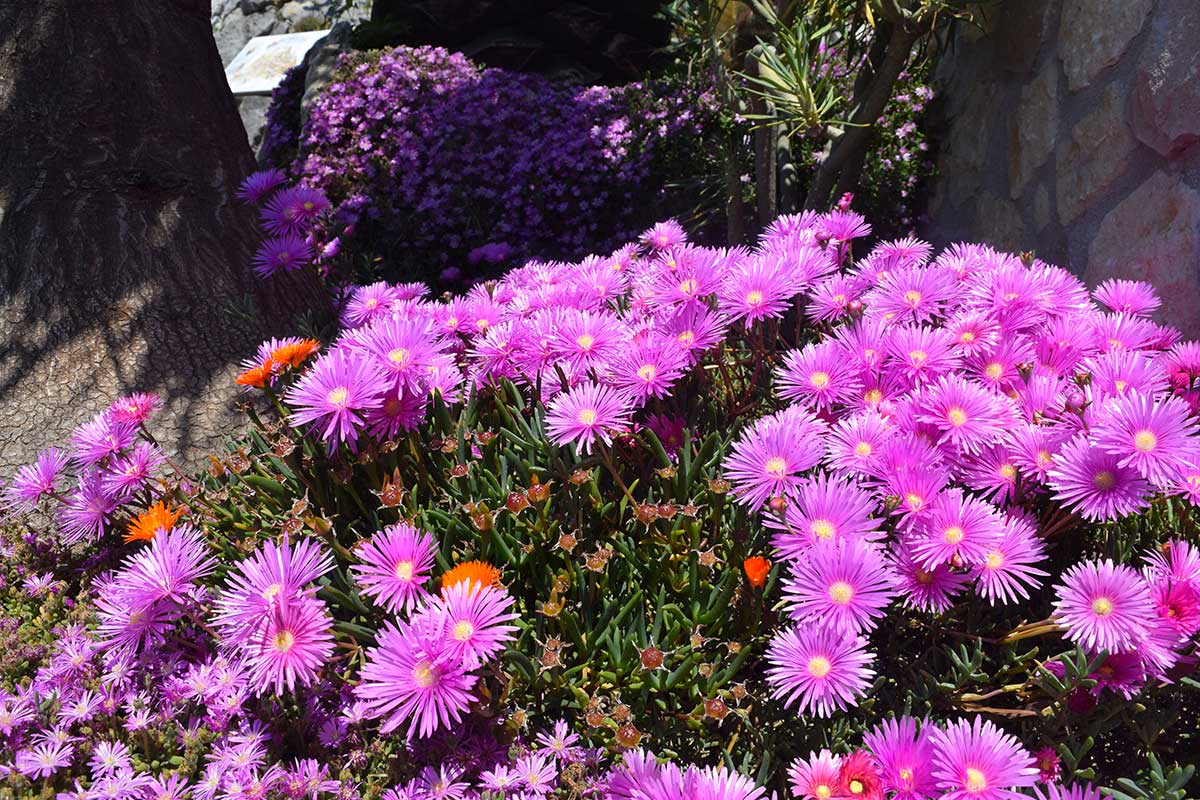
pixel 1095 33
pixel 1072 127
pixel 235 22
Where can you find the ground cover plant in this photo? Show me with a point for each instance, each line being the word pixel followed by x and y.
pixel 813 519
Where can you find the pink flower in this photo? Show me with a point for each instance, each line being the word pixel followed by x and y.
pixel 842 585
pixel 818 670
pixel 1104 606
pixel 978 761
pixel 586 414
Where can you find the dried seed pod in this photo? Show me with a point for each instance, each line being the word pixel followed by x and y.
pixel 567 541
pixel 652 658
pixel 516 502
pixel 715 708
pixel 628 736
pixel 646 513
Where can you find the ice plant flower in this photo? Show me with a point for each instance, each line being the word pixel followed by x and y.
pixel 978 761
pixel 1093 482
pixel 35 481
pixel 904 755
pixel 818 670
pixel 587 414
pixel 766 460
pixel 1104 606
pixel 145 526
pixel 841 585
pixel 1153 436
pixel 335 395
pixel 395 565
pixel 815 778
pixel 477 620
pixel 756 568
pixel 477 572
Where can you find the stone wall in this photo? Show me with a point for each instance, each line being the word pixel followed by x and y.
pixel 235 22
pixel 1071 129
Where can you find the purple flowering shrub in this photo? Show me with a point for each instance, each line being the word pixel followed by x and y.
pixel 281 127
pixel 432 162
pixel 670 522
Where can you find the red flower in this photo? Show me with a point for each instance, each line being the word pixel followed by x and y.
pixel 756 568
pixel 859 778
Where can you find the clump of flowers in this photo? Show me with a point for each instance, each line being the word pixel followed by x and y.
pixel 436 163
pixel 914 514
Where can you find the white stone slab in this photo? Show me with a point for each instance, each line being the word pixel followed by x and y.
pixel 260 65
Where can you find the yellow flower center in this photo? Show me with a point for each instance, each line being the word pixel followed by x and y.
pixel 271 591
pixel 754 298
pixel 841 593
pixel 1145 441
pixel 1104 480
pixel 401 355
pixel 976 781
pixel 338 396
pixel 647 372
pixel 823 791
pixel 954 534
pixel 819 666
pixel 994 370
pixel 957 417
pixel 913 298
pixel 822 529
pixel 585 341
pixel 967 337
pixel 1121 385
pixel 775 467
pixel 588 416
pixel 422 673
pixel 686 338
pixel 856 786
pixel 404 570
pixel 994 560
pixel 689 286
pixel 862 449
pixel 284 641
pixel 873 397
pixel 914 501
pixel 906 774
pixel 1007 471
pixel 819 380
pixel 463 630
pixel 1102 606
pixel 917 356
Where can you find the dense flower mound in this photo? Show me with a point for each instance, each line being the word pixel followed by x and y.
pixel 827 501
pixel 434 162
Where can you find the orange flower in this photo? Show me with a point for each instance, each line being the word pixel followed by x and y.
pixel 145 526
pixel 257 376
pixel 294 353
pixel 478 571
pixel 757 569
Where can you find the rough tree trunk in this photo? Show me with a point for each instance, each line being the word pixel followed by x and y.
pixel 122 248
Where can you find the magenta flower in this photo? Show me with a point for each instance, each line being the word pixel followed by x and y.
pixel 853 443
pixel 911 294
pixel 1128 297
pixel 588 340
pixel 86 512
pixel 411 680
pixel 958 528
pixel 1153 436
pixel 842 585
pixel 288 646
pixel 978 761
pixel 130 473
pixel 766 461
pixel 927 589
pixel 823 508
pixel 283 253
pixel 1088 480
pixel 664 235
pixel 43 760
pixel 396 564
pixel 101 438
pixel 648 367
pixel 1104 606
pixel 293 210
pixel 761 287
pixel 964 414
pixel 477 621
pixel 335 395
pixel 819 670
pixel 34 481
pixel 273 574
pixel 586 414
pixel 1007 571
pixel 261 184
pixel 904 756
pixel 820 375
pixel 403 350
pixel 816 778
pixel 135 409
pixel 369 303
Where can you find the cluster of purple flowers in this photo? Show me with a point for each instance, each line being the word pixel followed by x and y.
pixel 427 158
pixel 111 462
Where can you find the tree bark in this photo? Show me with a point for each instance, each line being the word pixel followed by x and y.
pixel 122 249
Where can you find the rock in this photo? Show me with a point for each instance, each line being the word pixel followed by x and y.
pixel 999 223
pixel 1041 208
pixel 1154 235
pixel 967 145
pixel 1165 112
pixel 1097 152
pixel 1033 128
pixel 1020 32
pixel 1094 33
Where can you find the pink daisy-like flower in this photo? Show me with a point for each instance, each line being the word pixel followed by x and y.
pixel 1123 371
pixel 1092 482
pixel 1152 435
pixel 1006 573
pixel 905 757
pixel 853 443
pixel 1128 297
pixel 86 512
pixel 959 529
pixel 477 621
pixel 1076 791
pixel 289 646
pixel 965 415
pixel 282 253
pixel 696 330
pixel 912 294
pixel 35 481
pixel 842 585
pixel 335 395
pixel 130 473
pixel 649 367
pixel 831 298
pixel 134 409
pixel 43 760
pixel 978 761
pixel 588 340
pixel 975 333
pixel 403 350
pixel 758 289
pixel 396 414
pixel 258 185
pixel 1124 673
pixel 586 414
pixel 766 461
pixel 1104 606
pixel 926 589
pixel 411 680
pixel 396 563
pixel 274 573
pixel 921 353
pixel 368 303
pixel 664 235
pixel 293 210
pixel 821 508
pixel 820 375
pixel 815 778
pixel 819 670
pixel 101 438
